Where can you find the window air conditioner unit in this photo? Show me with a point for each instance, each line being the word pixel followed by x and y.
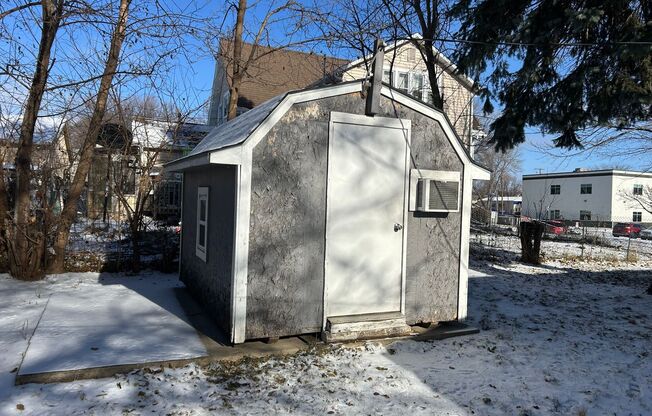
pixel 437 195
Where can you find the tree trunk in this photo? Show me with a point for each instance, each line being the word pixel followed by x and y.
pixel 24 239
pixel 531 233
pixel 135 245
pixel 430 22
pixel 237 76
pixel 86 154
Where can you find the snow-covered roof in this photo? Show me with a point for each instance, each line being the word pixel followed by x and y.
pixel 237 130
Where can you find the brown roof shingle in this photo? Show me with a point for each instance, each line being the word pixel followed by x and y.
pixel 277 71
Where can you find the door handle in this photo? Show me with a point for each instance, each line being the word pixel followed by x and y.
pixel 398 227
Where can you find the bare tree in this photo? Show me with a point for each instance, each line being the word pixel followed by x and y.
pixel 505 168
pixel 149 149
pixel 264 28
pixel 639 198
pixel 86 155
pixel 25 244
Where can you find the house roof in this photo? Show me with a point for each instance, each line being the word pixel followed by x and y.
pixel 237 131
pixel 442 60
pixel 586 173
pixel 277 71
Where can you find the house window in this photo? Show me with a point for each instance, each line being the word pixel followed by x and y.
pixel 554 214
pixel 585 215
pixel 586 188
pixel 638 189
pixel 202 222
pixel 555 189
pixel 411 55
pixel 402 82
pixel 637 216
pixel 416 89
pixel 387 76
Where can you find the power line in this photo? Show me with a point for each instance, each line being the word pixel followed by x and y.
pixel 558 44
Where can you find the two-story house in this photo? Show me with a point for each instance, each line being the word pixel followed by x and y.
pixel 283 70
pixel 596 196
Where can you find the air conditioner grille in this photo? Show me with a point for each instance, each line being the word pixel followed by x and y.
pixel 443 196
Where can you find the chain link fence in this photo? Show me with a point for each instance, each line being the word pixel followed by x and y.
pixel 619 240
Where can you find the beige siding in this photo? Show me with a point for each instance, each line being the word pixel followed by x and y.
pixel 457 97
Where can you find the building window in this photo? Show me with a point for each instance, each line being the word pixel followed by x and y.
pixel 637 216
pixel 638 189
pixel 555 189
pixel 586 188
pixel 387 76
pixel 585 215
pixel 202 222
pixel 554 214
pixel 411 55
pixel 416 89
pixel 402 82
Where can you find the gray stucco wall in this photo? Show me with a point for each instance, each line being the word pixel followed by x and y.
pixel 210 281
pixel 286 242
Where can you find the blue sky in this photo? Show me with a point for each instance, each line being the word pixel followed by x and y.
pixel 192 75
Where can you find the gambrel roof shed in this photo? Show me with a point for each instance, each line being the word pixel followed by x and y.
pixel 304 215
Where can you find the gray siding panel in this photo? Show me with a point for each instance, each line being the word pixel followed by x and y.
pixel 210 281
pixel 286 241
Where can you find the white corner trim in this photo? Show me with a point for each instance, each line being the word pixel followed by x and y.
pixel 463 287
pixel 187 162
pixel 227 156
pixel 241 251
pixel 480 173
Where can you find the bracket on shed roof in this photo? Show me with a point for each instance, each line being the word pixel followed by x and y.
pixel 374 86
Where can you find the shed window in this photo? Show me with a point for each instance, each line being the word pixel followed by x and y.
pixel 585 215
pixel 202 222
pixel 638 189
pixel 586 188
pixel 637 216
pixel 555 189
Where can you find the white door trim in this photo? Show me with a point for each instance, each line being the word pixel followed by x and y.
pixel 405 125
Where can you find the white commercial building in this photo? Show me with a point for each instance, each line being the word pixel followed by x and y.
pixel 602 196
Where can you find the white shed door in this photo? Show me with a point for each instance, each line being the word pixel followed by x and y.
pixel 365 204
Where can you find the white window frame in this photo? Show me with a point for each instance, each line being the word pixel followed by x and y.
pixel 202 246
pixel 425 84
pixel 638 189
pixel 586 187
pixel 557 187
pixel 638 214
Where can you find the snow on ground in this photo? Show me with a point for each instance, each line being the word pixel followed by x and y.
pixel 566 337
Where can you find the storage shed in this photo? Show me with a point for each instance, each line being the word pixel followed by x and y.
pixel 304 215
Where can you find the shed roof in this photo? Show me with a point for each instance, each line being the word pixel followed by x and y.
pixel 237 130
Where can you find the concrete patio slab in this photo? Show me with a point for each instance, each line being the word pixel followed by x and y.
pixel 106 326
pixel 124 324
